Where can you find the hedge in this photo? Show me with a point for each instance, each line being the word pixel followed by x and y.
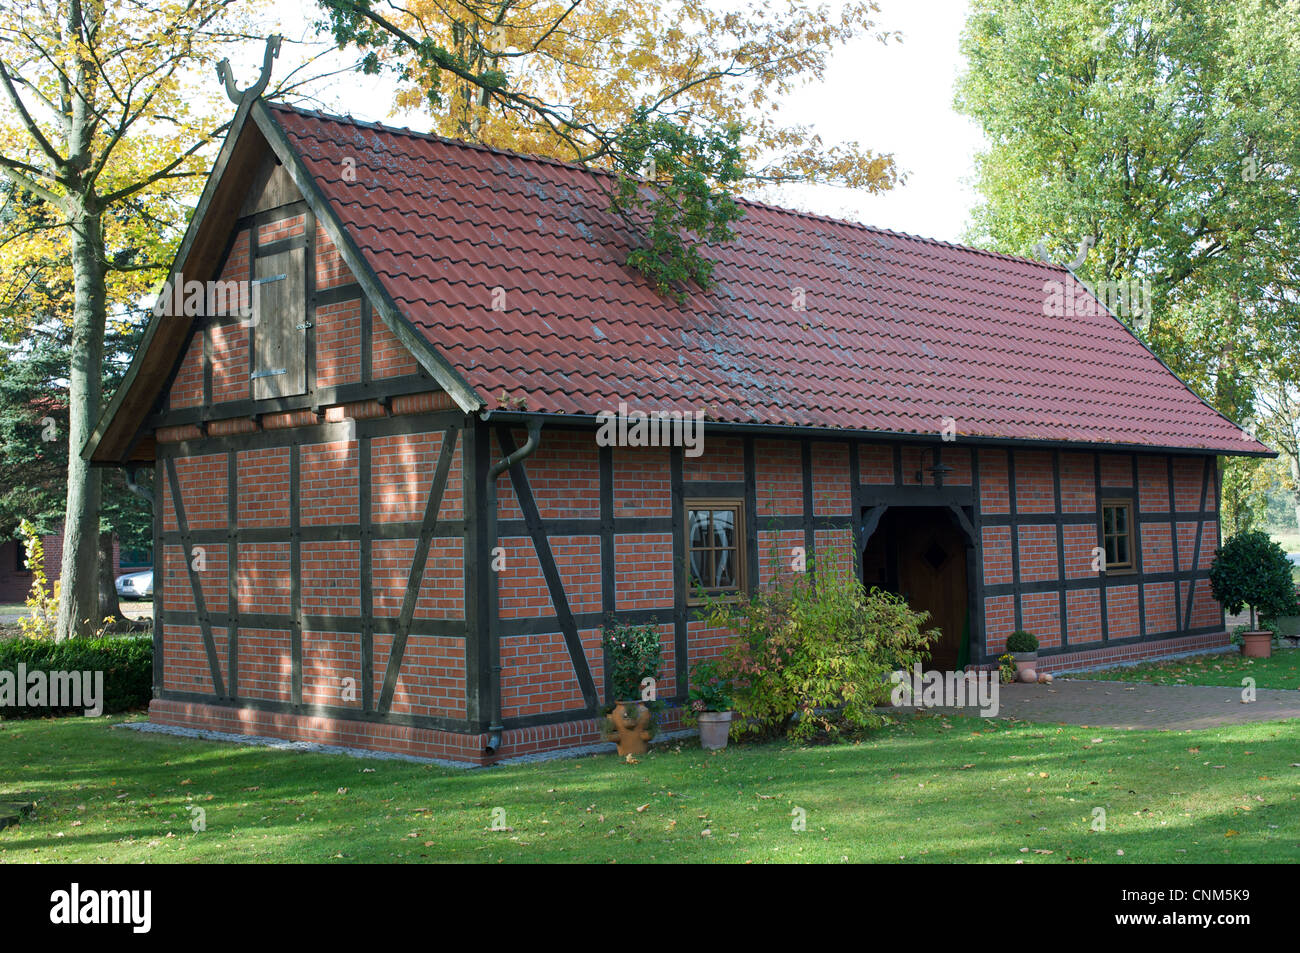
pixel 126 661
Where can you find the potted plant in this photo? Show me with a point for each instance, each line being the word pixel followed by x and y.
pixel 1006 668
pixel 1252 570
pixel 1023 647
pixel 710 695
pixel 633 655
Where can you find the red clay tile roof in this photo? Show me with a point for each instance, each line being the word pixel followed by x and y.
pixel 899 331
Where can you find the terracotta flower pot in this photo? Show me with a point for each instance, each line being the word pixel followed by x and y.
pixel 1026 666
pixel 715 727
pixel 1257 644
pixel 629 727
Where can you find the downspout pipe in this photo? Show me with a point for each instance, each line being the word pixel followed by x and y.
pixel 495 728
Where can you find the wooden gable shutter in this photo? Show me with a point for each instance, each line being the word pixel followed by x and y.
pixel 279 351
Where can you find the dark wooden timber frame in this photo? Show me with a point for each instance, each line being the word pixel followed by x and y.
pixel 873 500
pixel 554 584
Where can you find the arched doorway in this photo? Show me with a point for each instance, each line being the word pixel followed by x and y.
pixel 920 553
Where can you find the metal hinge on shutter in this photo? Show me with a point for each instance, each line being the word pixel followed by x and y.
pixel 268 279
pixel 278 370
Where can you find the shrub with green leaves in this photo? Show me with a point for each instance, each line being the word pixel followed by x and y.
pixel 684 200
pixel 1021 642
pixel 1252 570
pixel 710 687
pixel 126 661
pixel 814 650
pixel 633 654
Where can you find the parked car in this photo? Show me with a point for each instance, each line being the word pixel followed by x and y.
pixel 136 585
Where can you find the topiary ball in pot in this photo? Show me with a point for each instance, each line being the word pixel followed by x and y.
pixel 1023 647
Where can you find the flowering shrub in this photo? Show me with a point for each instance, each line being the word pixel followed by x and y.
pixel 815 650
pixel 1007 667
pixel 633 654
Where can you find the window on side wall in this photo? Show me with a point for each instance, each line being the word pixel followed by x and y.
pixel 1118 538
pixel 715 546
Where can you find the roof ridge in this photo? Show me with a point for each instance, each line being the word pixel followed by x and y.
pixel 577 167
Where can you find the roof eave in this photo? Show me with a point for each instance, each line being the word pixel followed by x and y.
pixel 833 433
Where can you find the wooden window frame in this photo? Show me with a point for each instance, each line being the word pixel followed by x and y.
pixel 1130 521
pixel 737 505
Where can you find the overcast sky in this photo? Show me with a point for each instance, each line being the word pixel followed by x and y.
pixel 898 98
pixel 895 98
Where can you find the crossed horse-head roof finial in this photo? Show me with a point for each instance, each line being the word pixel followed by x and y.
pixel 227 75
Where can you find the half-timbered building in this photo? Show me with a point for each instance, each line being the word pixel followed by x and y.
pixel 384 518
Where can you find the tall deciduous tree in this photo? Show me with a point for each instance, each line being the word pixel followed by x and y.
pixel 683 94
pixel 101 123
pixel 1169 132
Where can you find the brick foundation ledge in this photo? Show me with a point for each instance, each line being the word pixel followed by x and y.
pixel 377 736
pixel 1113 656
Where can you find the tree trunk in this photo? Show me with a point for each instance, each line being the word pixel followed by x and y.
pixel 109 607
pixel 1295 485
pixel 79 578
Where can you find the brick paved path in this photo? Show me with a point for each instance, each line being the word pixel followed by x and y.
pixel 1124 705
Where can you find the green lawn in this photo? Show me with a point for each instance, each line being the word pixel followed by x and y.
pixel 931 789
pixel 1282 670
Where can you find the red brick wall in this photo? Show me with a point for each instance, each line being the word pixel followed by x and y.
pixel 564 475
pixel 187 389
pixel 432 678
pixel 778 471
pixel 390 358
pixel 876 463
pixel 537 674
pixel 1128 595
pixel 537 677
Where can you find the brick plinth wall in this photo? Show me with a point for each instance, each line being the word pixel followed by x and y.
pixel 1064 662
pixel 452 746
pixel 1136 652
pixel 376 736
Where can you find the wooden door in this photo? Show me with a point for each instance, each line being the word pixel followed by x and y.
pixel 932 578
